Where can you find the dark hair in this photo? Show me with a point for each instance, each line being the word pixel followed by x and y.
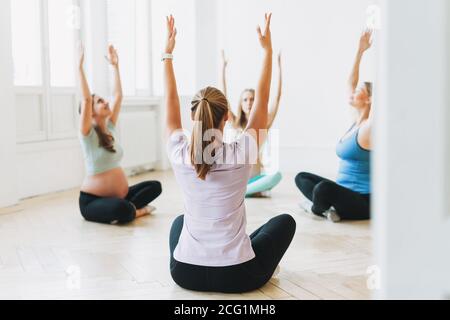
pixel 369 88
pixel 106 140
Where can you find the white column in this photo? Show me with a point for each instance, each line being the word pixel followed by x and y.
pixel 207 50
pixel 411 176
pixel 8 187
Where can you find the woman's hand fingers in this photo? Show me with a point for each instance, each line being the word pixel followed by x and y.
pixel 268 19
pixel 265 39
pixel 171 33
pixel 258 29
pixel 174 34
pixel 170 21
pixel 81 53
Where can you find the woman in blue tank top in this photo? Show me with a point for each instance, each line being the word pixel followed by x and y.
pixel 349 197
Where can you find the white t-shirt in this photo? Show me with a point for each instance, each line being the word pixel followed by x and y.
pixel 214 230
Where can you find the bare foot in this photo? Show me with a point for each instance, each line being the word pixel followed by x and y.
pixel 146 211
pixel 257 195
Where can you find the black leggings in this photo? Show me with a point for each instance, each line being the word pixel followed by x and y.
pixel 116 210
pixel 269 243
pixel 325 194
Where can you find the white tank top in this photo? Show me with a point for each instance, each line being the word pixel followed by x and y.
pixel 214 231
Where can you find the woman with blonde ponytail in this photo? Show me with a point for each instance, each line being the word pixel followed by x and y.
pixel 210 249
pixel 209 108
pixel 262 179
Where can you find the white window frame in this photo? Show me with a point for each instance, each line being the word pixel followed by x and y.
pixel 142 95
pixel 46 91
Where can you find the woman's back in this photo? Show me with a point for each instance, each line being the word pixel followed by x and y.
pixel 214 232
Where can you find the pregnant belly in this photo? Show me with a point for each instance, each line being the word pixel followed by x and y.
pixel 112 183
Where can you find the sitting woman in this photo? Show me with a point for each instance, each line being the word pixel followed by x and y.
pixel 105 196
pixel 349 197
pixel 261 179
pixel 209 247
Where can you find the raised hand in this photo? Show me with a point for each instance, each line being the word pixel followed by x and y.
pixel 112 57
pixel 365 41
pixel 266 38
pixel 80 55
pixel 171 34
pixel 224 59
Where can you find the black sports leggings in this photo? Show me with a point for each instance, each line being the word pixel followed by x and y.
pixel 269 243
pixel 325 194
pixel 109 210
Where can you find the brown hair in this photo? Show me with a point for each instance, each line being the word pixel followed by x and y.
pixel 369 88
pixel 209 108
pixel 106 140
pixel 241 119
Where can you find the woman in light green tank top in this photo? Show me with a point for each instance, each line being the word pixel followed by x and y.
pixel 105 195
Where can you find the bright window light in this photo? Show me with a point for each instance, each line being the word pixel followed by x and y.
pixel 61 43
pixel 26 42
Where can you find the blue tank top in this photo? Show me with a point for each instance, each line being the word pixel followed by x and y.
pixel 354 170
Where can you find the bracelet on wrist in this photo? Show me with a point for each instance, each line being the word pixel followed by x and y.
pixel 166 56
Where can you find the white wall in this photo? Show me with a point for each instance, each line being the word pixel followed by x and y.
pixel 412 143
pixel 32 169
pixel 318 40
pixel 314 110
pixel 8 187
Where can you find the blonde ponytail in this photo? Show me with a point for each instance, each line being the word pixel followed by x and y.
pixel 209 108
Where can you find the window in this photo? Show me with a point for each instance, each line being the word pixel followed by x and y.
pixel 61 43
pixel 26 44
pixel 185 61
pixel 129 32
pixel 43 43
pixel 137 29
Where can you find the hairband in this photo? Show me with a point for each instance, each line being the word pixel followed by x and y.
pixel 195 103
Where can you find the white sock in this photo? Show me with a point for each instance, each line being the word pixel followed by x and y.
pixel 150 209
pixel 306 205
pixel 276 272
pixel 332 215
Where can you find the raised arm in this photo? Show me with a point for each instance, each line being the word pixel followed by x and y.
pixel 86 102
pixel 276 104
pixel 258 115
pixel 365 43
pixel 224 74
pixel 172 100
pixel 113 59
pixel 231 115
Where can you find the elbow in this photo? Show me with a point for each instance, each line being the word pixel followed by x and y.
pixel 87 101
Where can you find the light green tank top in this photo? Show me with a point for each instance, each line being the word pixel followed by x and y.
pixel 97 159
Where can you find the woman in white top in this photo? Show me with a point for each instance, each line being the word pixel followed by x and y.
pixel 210 250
